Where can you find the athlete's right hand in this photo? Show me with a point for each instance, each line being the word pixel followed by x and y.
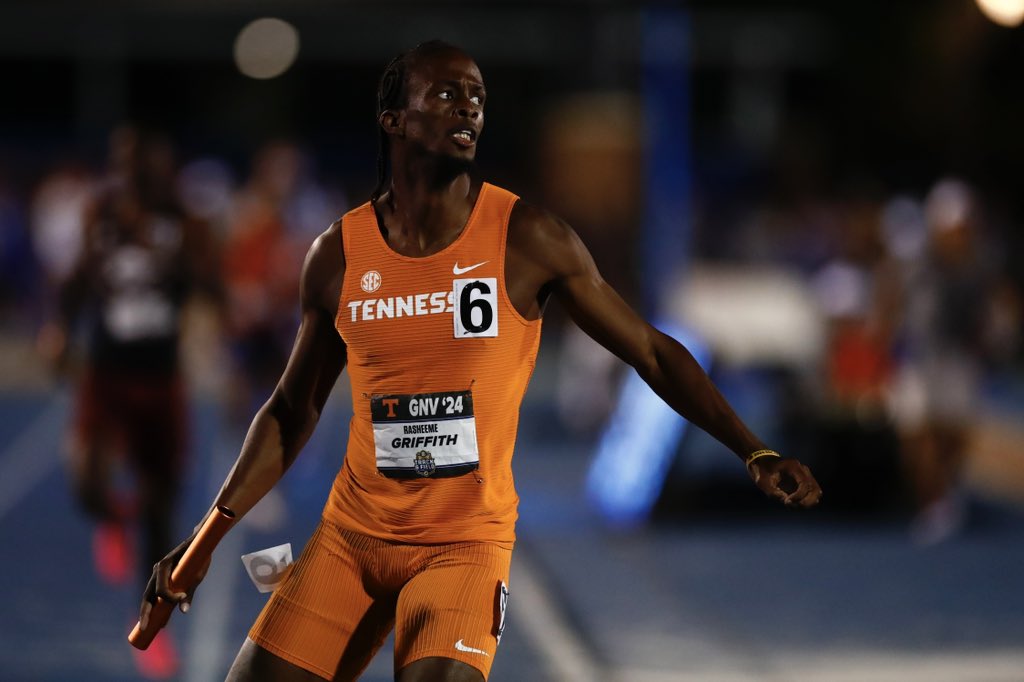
pixel 159 584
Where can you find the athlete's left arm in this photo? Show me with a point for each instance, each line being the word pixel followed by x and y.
pixel 562 266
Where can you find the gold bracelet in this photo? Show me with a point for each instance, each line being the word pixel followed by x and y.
pixel 759 454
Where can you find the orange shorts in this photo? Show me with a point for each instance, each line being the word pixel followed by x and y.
pixel 347 591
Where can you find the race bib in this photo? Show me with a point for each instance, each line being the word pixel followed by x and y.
pixel 425 434
pixel 476 307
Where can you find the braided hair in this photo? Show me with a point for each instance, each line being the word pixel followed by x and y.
pixel 393 93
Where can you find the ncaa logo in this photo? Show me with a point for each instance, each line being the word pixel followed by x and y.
pixel 424 463
pixel 370 281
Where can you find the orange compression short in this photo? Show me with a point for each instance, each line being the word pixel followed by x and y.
pixel 347 591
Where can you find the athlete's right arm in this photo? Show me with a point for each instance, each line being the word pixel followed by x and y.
pixel 283 425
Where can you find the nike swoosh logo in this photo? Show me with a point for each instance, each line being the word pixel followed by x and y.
pixel 459 645
pixel 461 271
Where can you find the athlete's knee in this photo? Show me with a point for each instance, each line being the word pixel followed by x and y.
pixel 438 669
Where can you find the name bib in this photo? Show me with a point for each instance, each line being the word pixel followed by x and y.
pixel 425 434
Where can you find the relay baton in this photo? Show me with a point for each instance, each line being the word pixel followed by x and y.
pixel 185 575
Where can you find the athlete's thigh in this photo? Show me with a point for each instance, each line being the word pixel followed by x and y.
pixel 322 618
pixel 156 428
pixel 95 429
pixel 438 669
pixel 255 664
pixel 453 607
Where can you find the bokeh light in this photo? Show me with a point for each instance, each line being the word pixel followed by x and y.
pixel 266 48
pixel 1008 13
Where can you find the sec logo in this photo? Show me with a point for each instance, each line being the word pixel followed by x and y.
pixel 370 282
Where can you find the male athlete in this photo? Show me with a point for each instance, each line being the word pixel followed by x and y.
pixel 432 294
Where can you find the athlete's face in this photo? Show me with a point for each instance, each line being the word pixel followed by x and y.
pixel 445 110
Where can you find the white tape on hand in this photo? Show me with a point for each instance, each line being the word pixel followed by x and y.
pixel 269 567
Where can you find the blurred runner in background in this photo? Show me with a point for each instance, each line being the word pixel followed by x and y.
pixel 960 312
pixel 140 258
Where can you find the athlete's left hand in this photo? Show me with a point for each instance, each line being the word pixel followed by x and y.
pixel 787 480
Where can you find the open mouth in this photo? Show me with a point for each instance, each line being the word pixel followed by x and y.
pixel 465 137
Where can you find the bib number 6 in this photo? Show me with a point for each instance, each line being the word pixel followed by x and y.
pixel 476 307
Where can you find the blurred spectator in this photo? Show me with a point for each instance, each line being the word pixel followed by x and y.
pixel 206 187
pixel 140 258
pixel 57 216
pixel 956 306
pixel 857 292
pixel 277 214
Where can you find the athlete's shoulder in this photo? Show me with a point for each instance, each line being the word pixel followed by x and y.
pixel 529 221
pixel 329 245
pixel 539 231
pixel 324 267
pixel 540 240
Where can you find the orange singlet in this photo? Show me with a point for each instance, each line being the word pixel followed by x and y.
pixel 417 532
pixel 439 361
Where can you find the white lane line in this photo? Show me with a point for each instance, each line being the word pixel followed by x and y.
pixel 206 647
pixel 207 641
pixel 33 454
pixel 564 655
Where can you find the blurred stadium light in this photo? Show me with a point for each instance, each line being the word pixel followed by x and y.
pixel 1009 13
pixel 266 48
pixel 637 447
